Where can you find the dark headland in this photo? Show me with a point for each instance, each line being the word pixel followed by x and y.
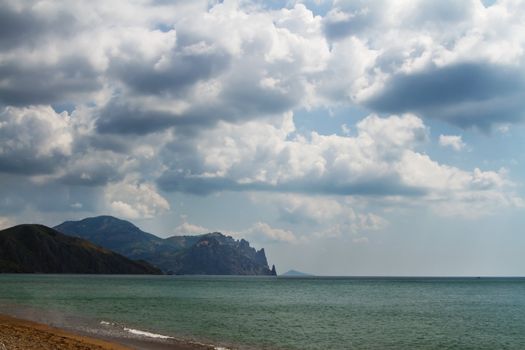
pixel 40 249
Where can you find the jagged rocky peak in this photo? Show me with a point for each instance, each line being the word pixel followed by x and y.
pixel 260 256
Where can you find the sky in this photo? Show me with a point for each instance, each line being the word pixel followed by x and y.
pixel 345 137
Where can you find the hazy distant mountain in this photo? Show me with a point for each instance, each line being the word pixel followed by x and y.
pixel 295 273
pixel 210 254
pixel 40 249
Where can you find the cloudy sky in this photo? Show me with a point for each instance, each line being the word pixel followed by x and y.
pixel 346 137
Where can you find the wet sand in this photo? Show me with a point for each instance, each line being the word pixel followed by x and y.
pixel 18 334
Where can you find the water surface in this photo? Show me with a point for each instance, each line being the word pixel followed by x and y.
pixel 290 313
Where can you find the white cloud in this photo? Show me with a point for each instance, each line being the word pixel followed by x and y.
pixel 133 199
pixel 244 55
pixel 414 48
pixel 322 216
pixel 370 222
pixel 297 208
pixel 187 228
pixel 261 231
pixel 381 159
pixel 34 139
pixel 207 92
pixel 453 141
pixel 259 152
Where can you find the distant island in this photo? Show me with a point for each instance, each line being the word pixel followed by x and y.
pixel 207 254
pixel 295 273
pixel 40 249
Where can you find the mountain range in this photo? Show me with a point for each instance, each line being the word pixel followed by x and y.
pixel 207 254
pixel 40 249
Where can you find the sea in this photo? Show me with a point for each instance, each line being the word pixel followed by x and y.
pixel 280 312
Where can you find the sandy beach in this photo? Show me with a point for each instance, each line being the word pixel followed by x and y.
pixel 18 334
pixel 22 334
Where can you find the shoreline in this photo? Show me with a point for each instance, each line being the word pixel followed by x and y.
pixel 18 333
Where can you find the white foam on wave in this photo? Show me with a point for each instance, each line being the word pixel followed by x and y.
pixel 153 335
pixel 146 334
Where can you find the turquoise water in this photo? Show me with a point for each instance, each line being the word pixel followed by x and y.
pixel 291 313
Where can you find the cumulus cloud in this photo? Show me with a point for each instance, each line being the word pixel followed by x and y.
pixel 465 94
pixel 443 60
pixel 296 208
pixel 196 77
pixel 187 228
pixel 323 216
pixel 34 140
pixel 264 156
pixel 453 141
pixel 190 96
pixel 201 62
pixel 134 200
pixel 260 232
pixel 381 160
pixel 263 232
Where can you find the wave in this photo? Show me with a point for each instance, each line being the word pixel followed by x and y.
pixel 137 331
pixel 147 334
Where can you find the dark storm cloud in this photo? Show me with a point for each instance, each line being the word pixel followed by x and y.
pixel 28 77
pixel 40 84
pixel 25 163
pixel 119 117
pixel 241 99
pixel 24 27
pixel 102 142
pixel 173 181
pixel 244 99
pixel 182 71
pixel 467 94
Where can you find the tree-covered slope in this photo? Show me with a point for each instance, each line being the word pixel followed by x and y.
pixel 40 249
